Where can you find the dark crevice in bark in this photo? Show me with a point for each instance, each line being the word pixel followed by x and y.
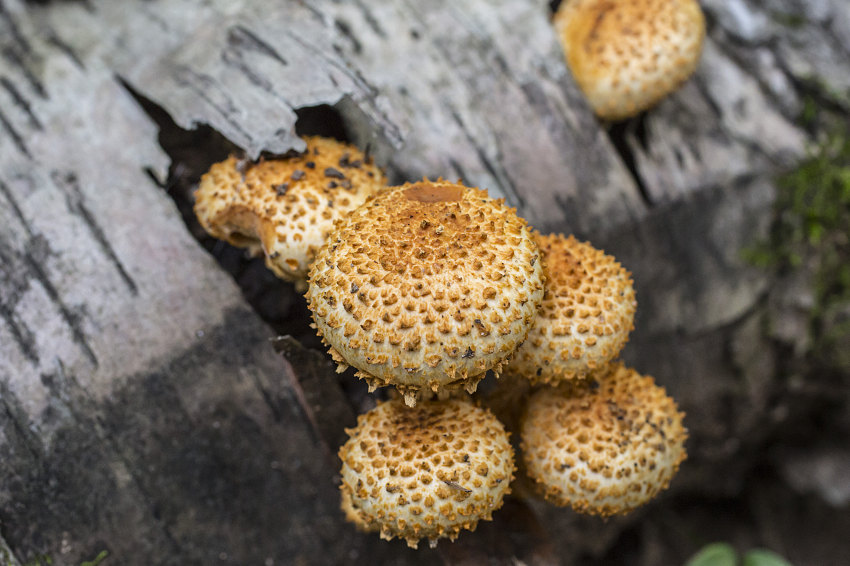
pixel 321 120
pixel 618 134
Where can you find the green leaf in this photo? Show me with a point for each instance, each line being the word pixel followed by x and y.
pixel 97 559
pixel 715 554
pixel 760 557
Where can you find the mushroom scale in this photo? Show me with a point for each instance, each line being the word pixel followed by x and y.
pixel 587 313
pixel 626 55
pixel 285 207
pixel 424 472
pixel 426 287
pixel 603 447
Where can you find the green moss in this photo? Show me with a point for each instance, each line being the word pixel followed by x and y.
pixel 794 21
pixel 97 559
pixel 811 231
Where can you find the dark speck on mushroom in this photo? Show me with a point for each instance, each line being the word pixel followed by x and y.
pixel 297 175
pixel 469 353
pixel 281 188
pixel 310 165
pixel 334 172
pixel 345 161
pixel 455 485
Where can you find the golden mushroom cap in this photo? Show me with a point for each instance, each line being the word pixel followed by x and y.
pixel 603 447
pixel 628 54
pixel 426 287
pixel 221 209
pixel 425 472
pixel 286 207
pixel 587 313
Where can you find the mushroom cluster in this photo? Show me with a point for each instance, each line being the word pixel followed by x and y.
pixel 428 287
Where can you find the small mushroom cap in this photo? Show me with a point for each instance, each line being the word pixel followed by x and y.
pixel 628 54
pixel 286 207
pixel 603 447
pixel 221 209
pixel 426 286
pixel 587 313
pixel 425 472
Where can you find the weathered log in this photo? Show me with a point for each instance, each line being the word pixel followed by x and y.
pixel 143 408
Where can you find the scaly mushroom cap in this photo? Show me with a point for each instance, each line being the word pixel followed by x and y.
pixel 426 287
pixel 425 472
pixel 603 447
pixel 587 313
pixel 628 54
pixel 285 207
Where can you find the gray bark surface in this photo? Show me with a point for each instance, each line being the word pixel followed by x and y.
pixel 145 409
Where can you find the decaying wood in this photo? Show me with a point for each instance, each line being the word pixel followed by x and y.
pixel 143 408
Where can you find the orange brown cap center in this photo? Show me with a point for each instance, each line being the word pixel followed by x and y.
pixel 423 192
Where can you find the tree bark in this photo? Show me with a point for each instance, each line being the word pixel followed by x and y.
pixel 143 408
